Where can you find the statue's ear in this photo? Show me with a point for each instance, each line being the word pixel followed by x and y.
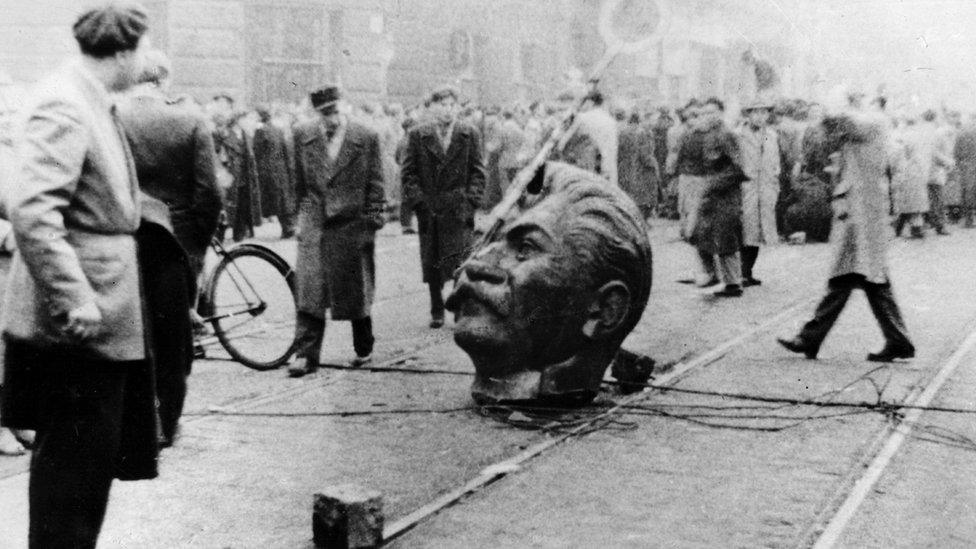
pixel 608 311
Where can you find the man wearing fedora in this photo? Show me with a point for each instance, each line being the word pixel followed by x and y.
pixel 339 183
pixel 759 153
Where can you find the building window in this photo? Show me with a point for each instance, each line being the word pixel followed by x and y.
pixel 285 51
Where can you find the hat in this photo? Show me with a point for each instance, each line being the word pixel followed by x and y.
pixel 758 105
pixel 325 98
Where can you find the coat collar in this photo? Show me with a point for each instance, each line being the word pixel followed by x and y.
pixel 433 142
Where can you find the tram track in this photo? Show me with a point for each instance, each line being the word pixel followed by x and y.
pixel 826 532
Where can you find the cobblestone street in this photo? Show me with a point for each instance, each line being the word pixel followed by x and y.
pixel 247 480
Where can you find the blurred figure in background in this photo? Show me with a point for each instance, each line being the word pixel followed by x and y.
pixel 965 157
pixel 237 169
pixel 271 160
pixel 637 169
pixel 761 163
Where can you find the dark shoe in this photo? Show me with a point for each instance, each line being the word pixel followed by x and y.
pixel 199 351
pixel 707 283
pixel 25 437
pixel 436 322
pixel 9 445
pixel 301 367
pixel 730 290
pixel 797 345
pixel 751 282
pixel 361 361
pixel 889 354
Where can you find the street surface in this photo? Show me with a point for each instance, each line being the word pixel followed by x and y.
pixel 662 475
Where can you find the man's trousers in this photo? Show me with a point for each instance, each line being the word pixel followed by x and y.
pixel 880 299
pixel 310 331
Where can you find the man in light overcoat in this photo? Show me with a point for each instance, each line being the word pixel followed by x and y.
pixel 760 159
pixel 77 367
pixel 340 187
pixel 861 234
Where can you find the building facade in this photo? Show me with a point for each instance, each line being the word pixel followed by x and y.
pixel 495 51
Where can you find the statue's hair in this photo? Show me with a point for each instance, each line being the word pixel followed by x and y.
pixel 606 232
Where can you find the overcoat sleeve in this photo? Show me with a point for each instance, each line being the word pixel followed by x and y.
pixel 53 152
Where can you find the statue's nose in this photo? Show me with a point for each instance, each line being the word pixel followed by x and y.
pixel 479 271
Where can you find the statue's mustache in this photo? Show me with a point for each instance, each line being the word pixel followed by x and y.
pixel 494 300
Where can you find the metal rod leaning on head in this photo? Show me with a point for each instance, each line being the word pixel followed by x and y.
pixel 524 177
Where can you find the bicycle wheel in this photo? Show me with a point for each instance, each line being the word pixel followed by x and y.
pixel 250 301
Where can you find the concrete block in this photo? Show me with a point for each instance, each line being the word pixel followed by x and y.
pixel 347 517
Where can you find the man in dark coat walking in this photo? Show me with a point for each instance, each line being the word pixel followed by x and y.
pixel 444 174
pixel 174 156
pixel 340 185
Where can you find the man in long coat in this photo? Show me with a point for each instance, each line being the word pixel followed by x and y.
pixel 861 235
pixel 340 185
pixel 444 175
pixel 76 361
pixel 760 157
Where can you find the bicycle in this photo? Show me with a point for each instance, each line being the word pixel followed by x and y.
pixel 253 321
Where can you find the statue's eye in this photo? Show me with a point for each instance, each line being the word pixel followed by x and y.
pixel 526 248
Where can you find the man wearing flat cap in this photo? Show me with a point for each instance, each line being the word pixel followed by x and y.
pixel 339 181
pixel 77 366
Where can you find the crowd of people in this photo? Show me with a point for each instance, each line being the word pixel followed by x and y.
pixel 112 165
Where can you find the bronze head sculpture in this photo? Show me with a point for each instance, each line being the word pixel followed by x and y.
pixel 543 307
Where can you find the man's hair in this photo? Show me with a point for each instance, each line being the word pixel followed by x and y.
pixel 714 101
pixel 157 68
pixel 606 232
pixel 443 93
pixel 115 27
